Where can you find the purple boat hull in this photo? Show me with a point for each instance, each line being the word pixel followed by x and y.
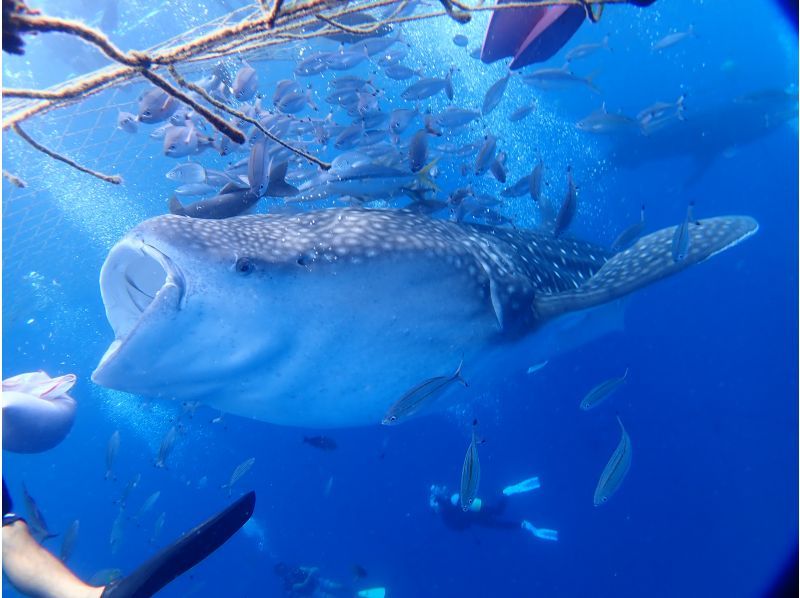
pixel 529 35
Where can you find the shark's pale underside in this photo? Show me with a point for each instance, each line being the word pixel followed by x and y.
pixel 325 318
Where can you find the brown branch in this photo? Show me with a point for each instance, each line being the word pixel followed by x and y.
pixel 220 124
pixel 43 24
pixel 242 116
pixel 69 91
pixel 459 17
pixel 270 17
pixel 14 180
pixel 114 179
pixel 357 30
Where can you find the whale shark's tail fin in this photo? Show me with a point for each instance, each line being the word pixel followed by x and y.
pixel 648 260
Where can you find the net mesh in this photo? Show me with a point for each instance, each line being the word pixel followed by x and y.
pixel 72 118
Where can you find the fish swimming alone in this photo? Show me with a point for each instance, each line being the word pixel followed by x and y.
pixel 324 318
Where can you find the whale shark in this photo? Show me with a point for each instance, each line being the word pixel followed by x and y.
pixel 709 133
pixel 325 318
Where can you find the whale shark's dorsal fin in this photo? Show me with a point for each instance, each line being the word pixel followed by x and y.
pixel 648 260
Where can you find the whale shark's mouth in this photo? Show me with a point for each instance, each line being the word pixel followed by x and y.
pixel 136 281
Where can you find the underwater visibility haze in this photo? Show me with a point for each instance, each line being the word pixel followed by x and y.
pixel 477 302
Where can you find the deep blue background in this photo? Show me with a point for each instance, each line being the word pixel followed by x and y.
pixel 710 504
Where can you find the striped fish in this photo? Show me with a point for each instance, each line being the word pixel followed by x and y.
pixel 237 474
pixel 602 391
pixel 615 470
pixel 680 240
pixel 68 544
pixel 166 447
pixel 470 472
pixel 424 392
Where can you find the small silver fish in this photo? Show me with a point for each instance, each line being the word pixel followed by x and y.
pixel 672 39
pixel 418 150
pixel 181 141
pixel 498 167
pixel 256 167
pixel 166 447
pixel 111 453
pixel 245 85
pixel 550 78
pixel 117 531
pixel 568 206
pixel 400 119
pixel 123 499
pixel 188 172
pixel 68 544
pixel 538 366
pixel 536 180
pixel 194 189
pixel 615 470
pixel 159 525
pixel 680 240
pixel 585 50
pixel 494 94
pixel 36 522
pixel 629 235
pixel 127 122
pixel 470 472
pixel 518 189
pixel 155 106
pixel 603 122
pixel 425 88
pixel 485 155
pixel 400 72
pixel 237 474
pixel 660 114
pixel 423 393
pixel 453 116
pixel 147 505
pixel 602 391
pixel 521 112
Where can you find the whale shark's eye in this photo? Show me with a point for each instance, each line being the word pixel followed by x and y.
pixel 245 265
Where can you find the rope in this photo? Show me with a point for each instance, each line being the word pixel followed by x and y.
pixel 113 179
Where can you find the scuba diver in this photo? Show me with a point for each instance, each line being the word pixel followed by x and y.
pixel 300 582
pixel 37 415
pixel 483 514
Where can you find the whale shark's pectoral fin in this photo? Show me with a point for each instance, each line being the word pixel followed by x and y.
pixel 647 261
pixel 511 299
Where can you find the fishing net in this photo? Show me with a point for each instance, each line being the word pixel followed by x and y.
pixel 69 122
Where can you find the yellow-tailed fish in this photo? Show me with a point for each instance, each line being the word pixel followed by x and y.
pixel 423 393
pixel 602 391
pixel 470 472
pixel 615 470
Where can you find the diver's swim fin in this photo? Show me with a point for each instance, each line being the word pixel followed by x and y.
pixel 648 260
pixel 183 554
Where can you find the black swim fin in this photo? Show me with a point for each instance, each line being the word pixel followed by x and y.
pixel 184 553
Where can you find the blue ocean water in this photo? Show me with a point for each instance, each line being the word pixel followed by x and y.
pixel 709 506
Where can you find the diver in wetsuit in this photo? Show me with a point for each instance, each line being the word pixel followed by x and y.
pixel 480 513
pixel 448 507
pixel 30 567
